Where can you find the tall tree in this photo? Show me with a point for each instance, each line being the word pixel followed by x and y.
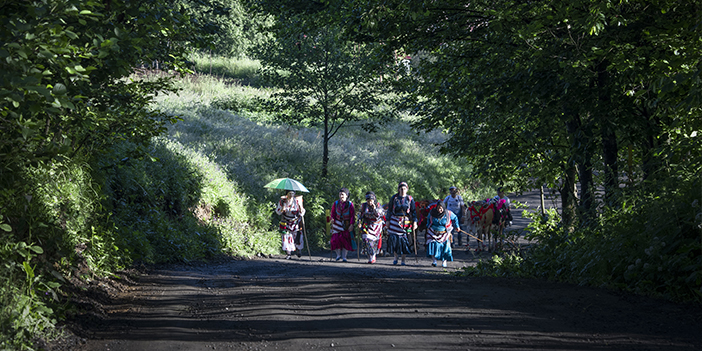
pixel 323 80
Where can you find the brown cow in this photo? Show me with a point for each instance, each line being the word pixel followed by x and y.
pixel 481 214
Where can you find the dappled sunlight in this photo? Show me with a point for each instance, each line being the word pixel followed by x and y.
pixel 278 301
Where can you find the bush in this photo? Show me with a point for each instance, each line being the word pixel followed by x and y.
pixel 52 229
pixel 650 245
pixel 176 205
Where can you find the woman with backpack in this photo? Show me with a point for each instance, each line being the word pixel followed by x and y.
pixel 440 224
pixel 402 220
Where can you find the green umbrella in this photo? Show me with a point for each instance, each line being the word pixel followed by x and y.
pixel 286 184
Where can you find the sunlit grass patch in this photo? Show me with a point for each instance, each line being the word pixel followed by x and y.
pixel 243 69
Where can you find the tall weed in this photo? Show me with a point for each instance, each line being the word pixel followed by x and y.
pixel 174 205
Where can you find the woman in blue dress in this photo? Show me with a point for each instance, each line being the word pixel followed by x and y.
pixel 440 224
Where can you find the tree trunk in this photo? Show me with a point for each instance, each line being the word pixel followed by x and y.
pixel 651 164
pixel 568 201
pixel 325 152
pixel 587 190
pixel 611 171
pixel 610 149
pixel 582 154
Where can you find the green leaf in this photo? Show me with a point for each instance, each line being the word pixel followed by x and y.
pixel 43 91
pixel 60 89
pixel 46 54
pixel 71 34
pixel 6 227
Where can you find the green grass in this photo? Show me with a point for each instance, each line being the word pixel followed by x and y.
pixel 241 70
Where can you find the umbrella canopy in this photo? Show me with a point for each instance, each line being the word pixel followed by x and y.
pixel 286 184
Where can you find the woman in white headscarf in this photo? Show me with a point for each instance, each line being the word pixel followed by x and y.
pixel 342 218
pixel 291 211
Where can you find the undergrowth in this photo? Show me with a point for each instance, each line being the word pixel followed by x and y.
pixel 651 245
pixel 177 205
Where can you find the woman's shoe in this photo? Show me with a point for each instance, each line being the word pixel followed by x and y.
pixel 344 260
pixel 298 253
pixel 443 264
pixel 287 257
pixel 372 260
pixel 338 258
pixel 394 262
pixel 433 264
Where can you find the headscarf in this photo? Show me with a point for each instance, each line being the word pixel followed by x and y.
pixel 403 184
pixel 370 195
pixel 434 211
pixel 345 191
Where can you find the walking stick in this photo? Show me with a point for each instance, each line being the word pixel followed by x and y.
pixel 414 234
pixel 358 249
pixel 476 238
pixel 328 229
pixel 304 232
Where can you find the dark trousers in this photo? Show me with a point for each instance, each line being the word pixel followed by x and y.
pixel 457 234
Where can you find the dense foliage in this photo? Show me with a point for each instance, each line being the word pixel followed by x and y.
pixel 658 257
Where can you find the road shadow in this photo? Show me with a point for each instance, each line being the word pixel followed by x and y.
pixel 280 301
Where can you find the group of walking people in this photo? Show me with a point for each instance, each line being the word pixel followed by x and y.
pixel 400 221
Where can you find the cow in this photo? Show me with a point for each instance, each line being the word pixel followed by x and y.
pixel 502 216
pixel 481 216
pixel 487 218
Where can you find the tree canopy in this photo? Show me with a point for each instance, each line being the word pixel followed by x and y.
pixel 322 80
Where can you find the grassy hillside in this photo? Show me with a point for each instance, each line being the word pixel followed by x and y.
pixel 253 150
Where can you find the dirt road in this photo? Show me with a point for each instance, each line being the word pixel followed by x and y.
pixel 303 304
pixel 278 304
